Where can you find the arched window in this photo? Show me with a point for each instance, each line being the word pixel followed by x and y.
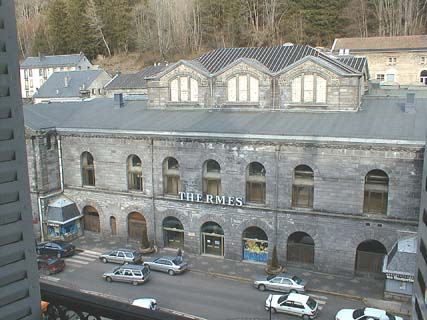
pixel 376 192
pixel 91 219
pixel 255 183
pixel 211 178
pixel 309 88
pixel 243 88
pixel 184 89
pixel 173 233
pixel 255 244
pixel 88 169
pixel 300 248
pixel 171 176
pixel 137 226
pixel 423 77
pixel 134 168
pixel 303 187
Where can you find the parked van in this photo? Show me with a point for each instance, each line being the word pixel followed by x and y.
pixel 132 273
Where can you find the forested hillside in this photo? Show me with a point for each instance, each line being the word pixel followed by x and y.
pixel 160 30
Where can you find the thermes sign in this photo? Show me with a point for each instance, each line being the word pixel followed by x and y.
pixel 208 198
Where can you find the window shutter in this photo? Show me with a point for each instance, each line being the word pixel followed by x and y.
pixel 194 86
pixel 254 89
pixel 320 90
pixel 243 88
pixel 308 87
pixel 174 90
pixel 184 88
pixel 232 90
pixel 296 89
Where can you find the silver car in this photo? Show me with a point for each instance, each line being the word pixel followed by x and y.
pixel 132 273
pixel 121 256
pixel 282 282
pixel 171 265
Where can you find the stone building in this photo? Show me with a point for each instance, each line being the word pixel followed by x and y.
pixel 237 151
pixel 399 59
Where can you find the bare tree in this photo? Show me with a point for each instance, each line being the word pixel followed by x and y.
pixel 95 22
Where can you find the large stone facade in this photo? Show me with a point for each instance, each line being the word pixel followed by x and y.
pixel 336 223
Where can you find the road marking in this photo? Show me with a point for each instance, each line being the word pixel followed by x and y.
pixel 82 258
pixel 92 252
pixel 54 279
pixel 76 261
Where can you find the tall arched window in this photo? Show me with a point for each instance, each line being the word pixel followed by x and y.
pixel 309 88
pixel 243 88
pixel 171 176
pixel 376 192
pixel 88 169
pixel 303 187
pixel 255 183
pixel 423 77
pixel 184 89
pixel 211 178
pixel 134 168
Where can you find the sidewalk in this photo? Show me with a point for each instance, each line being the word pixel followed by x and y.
pixel 368 290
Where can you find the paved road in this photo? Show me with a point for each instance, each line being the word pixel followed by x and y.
pixel 191 293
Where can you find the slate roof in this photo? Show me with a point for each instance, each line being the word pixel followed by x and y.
pixel 134 80
pixel 381 43
pixel 55 84
pixel 273 58
pixel 357 63
pixel 62 209
pixel 402 261
pixel 379 118
pixel 52 61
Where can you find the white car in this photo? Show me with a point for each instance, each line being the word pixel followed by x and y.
pixel 147 303
pixel 293 303
pixel 365 314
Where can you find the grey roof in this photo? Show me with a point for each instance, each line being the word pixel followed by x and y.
pixel 134 80
pixel 357 63
pixel 62 209
pixel 52 61
pixel 55 84
pixel 379 118
pixel 273 58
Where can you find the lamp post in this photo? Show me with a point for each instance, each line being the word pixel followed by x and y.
pixel 269 301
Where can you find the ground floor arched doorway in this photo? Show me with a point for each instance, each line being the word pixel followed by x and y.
pixel 212 239
pixel 255 245
pixel 91 219
pixel 173 233
pixel 300 248
pixel 370 256
pixel 137 226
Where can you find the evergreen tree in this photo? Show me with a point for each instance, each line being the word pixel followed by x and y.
pixel 81 37
pixel 57 29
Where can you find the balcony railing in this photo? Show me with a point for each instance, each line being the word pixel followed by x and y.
pixel 75 304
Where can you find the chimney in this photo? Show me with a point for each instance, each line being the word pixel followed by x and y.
pixel 118 101
pixel 410 102
pixel 41 56
pixel 66 81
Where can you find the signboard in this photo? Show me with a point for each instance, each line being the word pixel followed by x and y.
pixel 211 199
pixel 399 277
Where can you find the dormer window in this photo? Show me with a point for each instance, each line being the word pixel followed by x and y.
pixel 243 88
pixel 309 88
pixel 184 89
pixel 344 52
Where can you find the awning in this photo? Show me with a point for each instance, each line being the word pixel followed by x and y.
pixel 62 210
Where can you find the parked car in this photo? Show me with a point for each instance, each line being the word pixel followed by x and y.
pixel 56 248
pixel 293 303
pixel 147 303
pixel 121 256
pixel 171 265
pixel 365 313
pixel 132 273
pixel 282 282
pixel 50 265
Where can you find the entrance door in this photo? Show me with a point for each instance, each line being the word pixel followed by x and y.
pixel 91 219
pixel 136 226
pixel 213 244
pixel 174 239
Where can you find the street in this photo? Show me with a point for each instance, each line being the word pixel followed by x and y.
pixel 191 293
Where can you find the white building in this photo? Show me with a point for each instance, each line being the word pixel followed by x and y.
pixel 34 71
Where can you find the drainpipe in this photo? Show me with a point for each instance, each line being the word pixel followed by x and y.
pixel 152 190
pixel 274 91
pixel 36 178
pixel 276 200
pixel 212 99
pixel 61 172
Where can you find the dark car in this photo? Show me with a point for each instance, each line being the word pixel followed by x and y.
pixel 50 265
pixel 56 248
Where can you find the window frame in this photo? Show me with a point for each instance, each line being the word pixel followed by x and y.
pixel 303 182
pixel 88 180
pixel 254 181
pixel 190 81
pixel 303 94
pixel 135 181
pixel 211 177
pixel 373 188
pixel 249 92
pixel 171 177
